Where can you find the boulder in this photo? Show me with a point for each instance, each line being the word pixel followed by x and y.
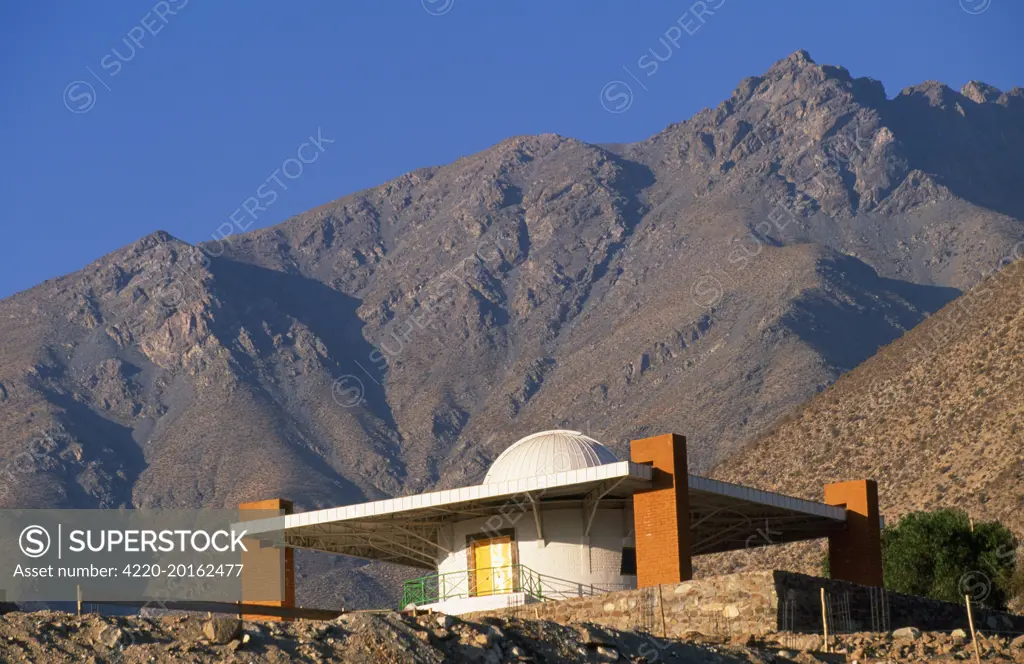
pixel 592 635
pixel 222 630
pixel 906 634
pixel 108 635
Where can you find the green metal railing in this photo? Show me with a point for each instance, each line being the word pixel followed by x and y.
pixel 467 583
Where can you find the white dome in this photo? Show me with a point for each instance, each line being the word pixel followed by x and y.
pixel 546 453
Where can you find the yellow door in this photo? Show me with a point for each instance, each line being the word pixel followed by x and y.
pixel 501 565
pixel 492 560
pixel 482 568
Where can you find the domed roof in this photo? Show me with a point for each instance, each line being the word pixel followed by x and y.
pixel 546 453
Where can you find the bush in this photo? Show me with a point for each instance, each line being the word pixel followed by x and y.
pixel 936 554
pixel 1017 582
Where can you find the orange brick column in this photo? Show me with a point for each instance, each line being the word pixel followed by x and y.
pixel 661 514
pixel 855 549
pixel 268 573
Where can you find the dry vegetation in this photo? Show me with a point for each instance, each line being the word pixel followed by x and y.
pixel 937 418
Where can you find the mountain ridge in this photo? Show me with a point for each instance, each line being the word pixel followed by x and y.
pixel 398 338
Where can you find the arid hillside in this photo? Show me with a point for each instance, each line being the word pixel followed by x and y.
pixel 937 418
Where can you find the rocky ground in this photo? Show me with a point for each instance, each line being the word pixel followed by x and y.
pixel 391 637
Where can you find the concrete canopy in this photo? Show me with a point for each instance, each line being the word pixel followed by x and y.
pixel 728 517
pixel 406 530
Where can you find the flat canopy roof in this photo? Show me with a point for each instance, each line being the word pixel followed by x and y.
pixel 406 530
pixel 727 517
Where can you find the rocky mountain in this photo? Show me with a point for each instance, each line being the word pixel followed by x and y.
pixel 937 418
pixel 705 281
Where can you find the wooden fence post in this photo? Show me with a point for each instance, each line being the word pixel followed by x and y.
pixel 974 637
pixel 824 617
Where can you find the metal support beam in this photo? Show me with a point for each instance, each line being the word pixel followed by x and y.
pixel 593 500
pixel 431 542
pixel 537 520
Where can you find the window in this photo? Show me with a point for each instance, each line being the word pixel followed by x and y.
pixel 628 561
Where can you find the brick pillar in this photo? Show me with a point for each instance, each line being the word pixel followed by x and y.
pixel 268 573
pixel 661 514
pixel 855 549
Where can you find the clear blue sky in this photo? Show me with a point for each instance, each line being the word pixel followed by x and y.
pixel 205 109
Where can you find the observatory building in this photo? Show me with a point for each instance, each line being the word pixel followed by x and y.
pixel 558 515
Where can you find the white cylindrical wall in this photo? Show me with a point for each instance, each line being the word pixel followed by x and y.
pixel 566 554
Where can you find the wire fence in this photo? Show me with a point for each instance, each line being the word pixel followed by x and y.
pixel 499 580
pixel 879 600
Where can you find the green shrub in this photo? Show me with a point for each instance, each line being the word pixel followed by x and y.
pixel 1017 582
pixel 937 555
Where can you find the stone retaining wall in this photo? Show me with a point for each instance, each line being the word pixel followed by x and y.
pixel 729 603
pixel 760 603
pixel 858 608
